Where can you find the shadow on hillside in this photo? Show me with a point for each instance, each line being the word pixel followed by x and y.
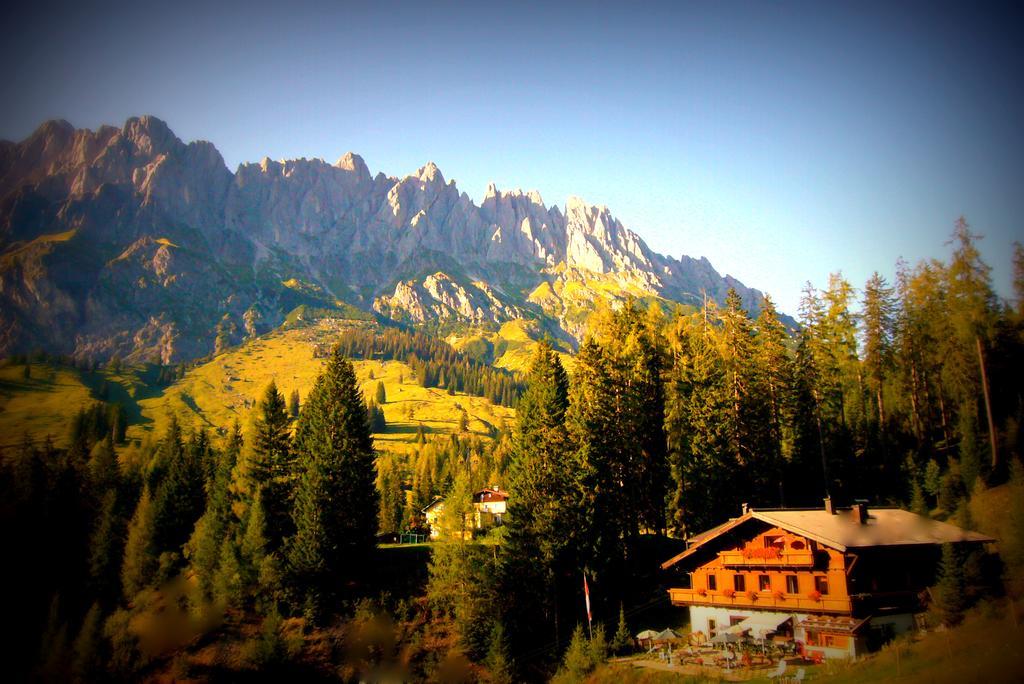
pixel 113 386
pixel 30 385
pixel 409 429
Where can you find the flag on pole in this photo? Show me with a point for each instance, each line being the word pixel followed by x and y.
pixel 586 594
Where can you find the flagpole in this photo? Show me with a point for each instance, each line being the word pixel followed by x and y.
pixel 586 596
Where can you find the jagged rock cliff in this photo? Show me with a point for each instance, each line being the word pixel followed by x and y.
pixel 129 241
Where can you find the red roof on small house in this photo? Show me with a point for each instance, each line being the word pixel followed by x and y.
pixel 488 495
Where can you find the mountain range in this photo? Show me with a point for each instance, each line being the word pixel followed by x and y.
pixel 127 241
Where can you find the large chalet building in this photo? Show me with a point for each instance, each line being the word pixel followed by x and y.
pixel 839 581
pixel 489 508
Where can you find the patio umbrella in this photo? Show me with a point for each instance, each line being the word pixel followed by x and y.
pixel 646 638
pixel 665 635
pixel 726 638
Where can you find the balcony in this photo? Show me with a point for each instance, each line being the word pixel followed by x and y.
pixel 762 601
pixel 770 557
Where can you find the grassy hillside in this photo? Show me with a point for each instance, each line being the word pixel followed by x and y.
pixel 214 394
pixel 226 388
pixel 510 347
pixel 42 404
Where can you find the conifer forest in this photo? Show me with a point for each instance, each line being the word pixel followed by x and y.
pixel 267 549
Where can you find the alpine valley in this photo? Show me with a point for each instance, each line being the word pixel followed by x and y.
pixel 127 242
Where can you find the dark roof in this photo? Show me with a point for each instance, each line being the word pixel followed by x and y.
pixel 842 531
pixel 487 494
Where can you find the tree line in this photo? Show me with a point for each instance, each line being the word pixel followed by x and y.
pixel 434 363
pixel 904 394
pixel 281 525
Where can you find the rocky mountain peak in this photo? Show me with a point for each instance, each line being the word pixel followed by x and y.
pixel 150 135
pixel 53 129
pixel 354 163
pixel 243 235
pixel 429 173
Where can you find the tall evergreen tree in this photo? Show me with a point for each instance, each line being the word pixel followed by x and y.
pixel 392 496
pixel 140 553
pixel 774 364
pixel 180 495
pixel 879 310
pixel 335 509
pixel 972 303
pixel 949 590
pixel 273 464
pixel 542 510
pixel 700 453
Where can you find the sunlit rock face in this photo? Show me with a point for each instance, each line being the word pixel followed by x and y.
pixel 129 241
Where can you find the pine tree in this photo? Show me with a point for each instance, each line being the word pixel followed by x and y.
pixel 461 586
pixel 273 464
pixel 747 421
pixel 293 404
pixel 381 395
pixel 335 509
pixel 578 661
pixel 808 475
pixel 595 476
pixel 598 646
pixel 971 304
pixel 773 361
pixel 499 660
pixel 918 504
pixel 104 472
pixel 698 444
pixel 455 520
pixel 542 512
pixel 88 661
pixel 932 478
pixel 392 496
pixel 951 491
pixel 106 549
pixel 949 589
pixel 622 642
pixel 140 563
pixel 970 451
pixel 203 550
pixel 180 495
pixel 228 580
pixel 879 311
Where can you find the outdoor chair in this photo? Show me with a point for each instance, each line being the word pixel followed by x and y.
pixel 800 674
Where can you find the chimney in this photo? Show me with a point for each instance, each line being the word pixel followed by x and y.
pixel 744 508
pixel 829 508
pixel 860 512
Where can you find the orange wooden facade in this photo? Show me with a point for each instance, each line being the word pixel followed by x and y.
pixel 777 570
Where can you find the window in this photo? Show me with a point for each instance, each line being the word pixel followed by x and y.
pixel 712 626
pixel 770 541
pixel 791 585
pixel 797 545
pixel 712 582
pixel 834 640
pixel 821 585
pixel 739 582
pixel 764 583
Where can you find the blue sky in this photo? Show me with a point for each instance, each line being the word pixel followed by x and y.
pixel 781 140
